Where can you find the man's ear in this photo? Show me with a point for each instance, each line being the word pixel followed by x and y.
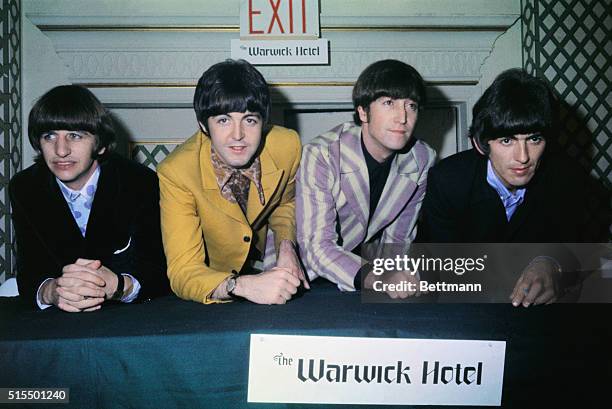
pixel 476 144
pixel 363 115
pixel 202 127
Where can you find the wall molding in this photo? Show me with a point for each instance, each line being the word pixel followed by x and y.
pixel 178 58
pixel 236 28
pixel 183 68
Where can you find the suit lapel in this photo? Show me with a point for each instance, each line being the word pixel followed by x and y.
pixel 104 207
pixel 58 206
pixel 530 202
pixel 49 209
pixel 399 189
pixel 487 207
pixel 270 178
pixel 519 217
pixel 354 179
pixel 483 192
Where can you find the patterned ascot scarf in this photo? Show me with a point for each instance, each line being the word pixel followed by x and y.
pixel 235 183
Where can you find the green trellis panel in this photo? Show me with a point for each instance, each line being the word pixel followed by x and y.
pixel 10 124
pixel 568 42
pixel 151 155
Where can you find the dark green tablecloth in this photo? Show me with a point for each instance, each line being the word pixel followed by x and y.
pixel 170 353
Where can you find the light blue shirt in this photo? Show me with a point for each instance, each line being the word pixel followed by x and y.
pixel 510 200
pixel 80 203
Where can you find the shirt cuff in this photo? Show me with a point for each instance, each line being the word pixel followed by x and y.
pixel 42 305
pixel 135 290
pixel 551 259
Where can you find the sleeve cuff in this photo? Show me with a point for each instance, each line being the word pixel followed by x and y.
pixel 39 302
pixel 551 259
pixel 128 298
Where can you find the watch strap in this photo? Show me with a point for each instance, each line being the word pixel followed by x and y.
pixel 118 294
pixel 231 286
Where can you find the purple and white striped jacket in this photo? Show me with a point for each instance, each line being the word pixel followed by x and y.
pixel 333 196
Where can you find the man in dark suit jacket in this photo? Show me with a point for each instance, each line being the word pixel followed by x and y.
pixel 515 186
pixel 86 220
pixel 461 207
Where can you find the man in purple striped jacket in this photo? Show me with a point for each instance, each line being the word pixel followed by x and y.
pixel 361 184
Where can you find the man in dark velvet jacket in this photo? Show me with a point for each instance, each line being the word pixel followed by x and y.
pixel 515 186
pixel 86 220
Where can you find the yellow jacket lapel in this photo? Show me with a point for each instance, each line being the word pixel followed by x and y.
pixel 270 179
pixel 211 188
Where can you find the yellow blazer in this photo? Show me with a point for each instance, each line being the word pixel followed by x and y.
pixel 205 236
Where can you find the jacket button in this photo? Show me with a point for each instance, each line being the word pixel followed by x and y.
pixel 246 239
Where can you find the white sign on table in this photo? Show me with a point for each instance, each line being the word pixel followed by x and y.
pixel 351 370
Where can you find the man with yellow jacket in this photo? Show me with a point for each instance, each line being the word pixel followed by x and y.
pixel 227 195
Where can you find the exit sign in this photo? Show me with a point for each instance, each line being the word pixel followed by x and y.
pixel 286 19
pixel 280 32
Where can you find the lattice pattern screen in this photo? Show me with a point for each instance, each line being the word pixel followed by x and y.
pixel 151 154
pixel 569 43
pixel 10 124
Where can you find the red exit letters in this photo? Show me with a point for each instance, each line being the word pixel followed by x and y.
pixel 287 17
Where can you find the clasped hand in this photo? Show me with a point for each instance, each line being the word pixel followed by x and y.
pixel 83 286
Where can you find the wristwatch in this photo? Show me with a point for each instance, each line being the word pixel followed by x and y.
pixel 118 294
pixel 231 286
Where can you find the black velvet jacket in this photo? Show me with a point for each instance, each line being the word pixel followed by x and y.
pixel 125 210
pixel 461 207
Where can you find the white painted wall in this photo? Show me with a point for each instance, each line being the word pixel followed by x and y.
pixel 475 50
pixel 42 69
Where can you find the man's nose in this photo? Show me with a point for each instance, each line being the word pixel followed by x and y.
pixel 62 147
pixel 237 133
pixel 521 152
pixel 401 113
